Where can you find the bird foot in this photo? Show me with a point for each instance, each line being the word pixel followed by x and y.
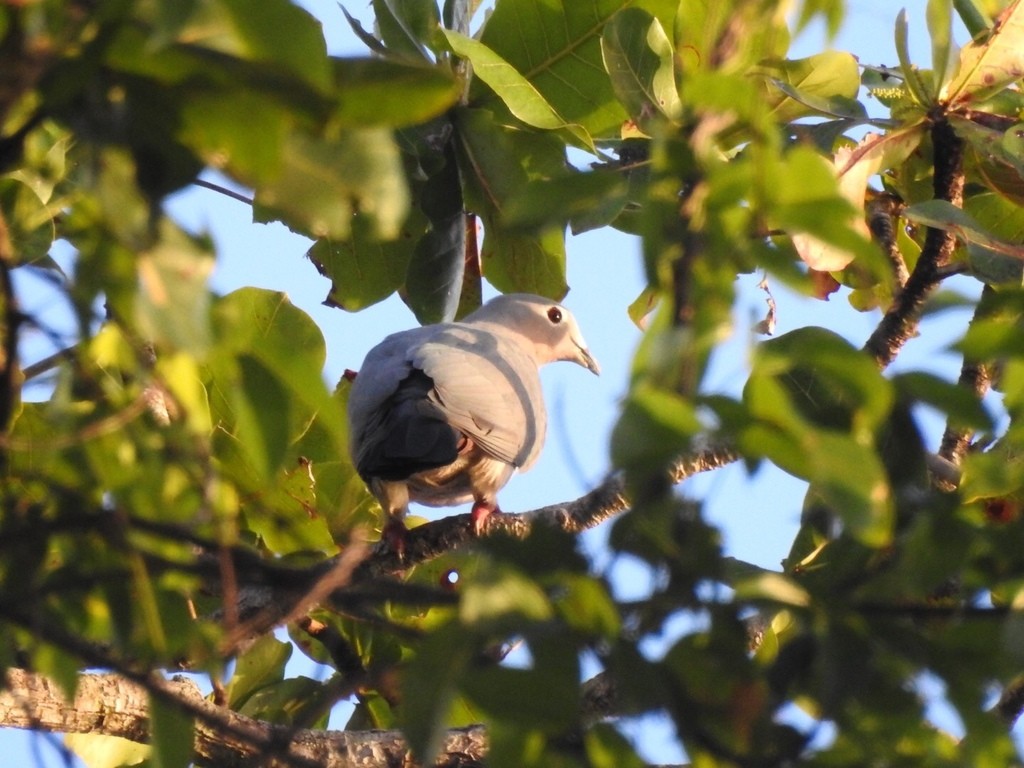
pixel 480 513
pixel 396 536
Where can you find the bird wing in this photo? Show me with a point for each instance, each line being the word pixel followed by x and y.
pixel 488 388
pixel 394 430
pixel 415 385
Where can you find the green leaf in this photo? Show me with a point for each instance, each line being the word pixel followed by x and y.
pixel 959 404
pixel 364 270
pixel 826 83
pixel 911 76
pixel 494 596
pixel 102 751
pixel 429 686
pixel 586 606
pixel 379 92
pixel 496 163
pixel 993 259
pixel 545 696
pixel 406 26
pixel 261 664
pixel 324 182
pixel 990 63
pixel 940 27
pixel 655 426
pixel 283 34
pixel 775 587
pixel 830 382
pixel 172 732
pixel 174 298
pixel 639 58
pixel 587 200
pixel 556 47
pixel 821 244
pixel 300 702
pixel 999 155
pixel 242 132
pixel 515 263
pixel 434 277
pixel 262 423
pixel 522 99
pixel 30 221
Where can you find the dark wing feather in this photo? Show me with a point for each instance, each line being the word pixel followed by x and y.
pixel 409 435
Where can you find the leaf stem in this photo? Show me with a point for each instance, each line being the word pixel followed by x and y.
pixel 973 18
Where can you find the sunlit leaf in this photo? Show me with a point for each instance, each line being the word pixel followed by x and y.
pixel 556 47
pixel 854 166
pixel 174 299
pixel 826 83
pixel 911 77
pixel 281 33
pixel 990 63
pixel 522 99
pixel 639 58
pixel 362 269
pixel 262 664
pixel 994 259
pixel 324 183
pixel 98 750
pixel 378 92
pixel 172 733
pixel 940 26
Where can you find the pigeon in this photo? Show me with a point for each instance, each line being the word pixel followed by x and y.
pixel 444 414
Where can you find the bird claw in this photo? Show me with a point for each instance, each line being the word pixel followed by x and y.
pixel 480 513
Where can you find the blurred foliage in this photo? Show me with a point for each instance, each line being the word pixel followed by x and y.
pixel 188 441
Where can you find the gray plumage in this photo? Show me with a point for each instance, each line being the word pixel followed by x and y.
pixel 444 414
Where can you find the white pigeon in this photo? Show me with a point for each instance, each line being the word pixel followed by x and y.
pixel 444 414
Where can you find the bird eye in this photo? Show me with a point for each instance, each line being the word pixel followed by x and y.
pixel 555 315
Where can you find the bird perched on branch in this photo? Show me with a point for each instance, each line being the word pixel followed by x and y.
pixel 444 414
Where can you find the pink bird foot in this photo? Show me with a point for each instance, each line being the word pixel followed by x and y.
pixel 480 513
pixel 396 536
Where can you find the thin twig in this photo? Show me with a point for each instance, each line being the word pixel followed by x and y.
pixel 224 191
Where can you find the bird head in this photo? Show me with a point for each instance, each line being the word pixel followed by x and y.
pixel 545 325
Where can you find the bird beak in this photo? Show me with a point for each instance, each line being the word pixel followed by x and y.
pixel 587 361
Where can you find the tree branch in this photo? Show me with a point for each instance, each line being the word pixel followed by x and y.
pixel 10 319
pixel 901 321
pixel 116 706
pixel 975 377
pixel 430 540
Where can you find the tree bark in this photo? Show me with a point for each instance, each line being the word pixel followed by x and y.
pixel 113 705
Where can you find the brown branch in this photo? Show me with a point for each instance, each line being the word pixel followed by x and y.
pixel 1011 701
pixel 10 319
pixel 883 211
pixel 114 705
pixel 433 539
pixel 901 321
pixel 975 377
pixel 275 613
